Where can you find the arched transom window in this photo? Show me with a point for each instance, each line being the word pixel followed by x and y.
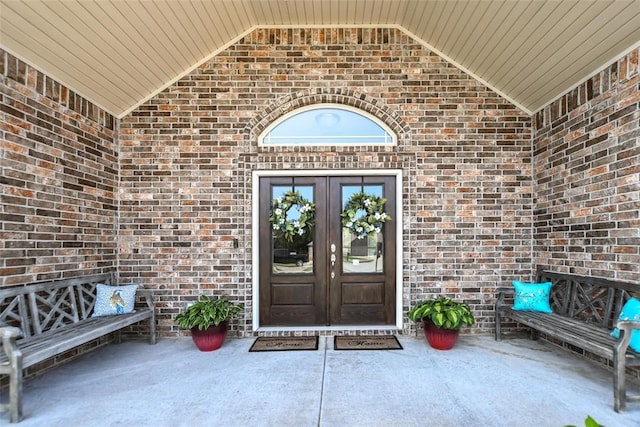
pixel 327 124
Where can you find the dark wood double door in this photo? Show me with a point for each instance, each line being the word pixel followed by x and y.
pixel 328 274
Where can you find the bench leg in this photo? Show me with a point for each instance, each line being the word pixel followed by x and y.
pixel 534 335
pixel 15 389
pixel 15 363
pixel 619 386
pixel 152 329
pixel 498 336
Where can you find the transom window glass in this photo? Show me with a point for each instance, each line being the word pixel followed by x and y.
pixel 327 124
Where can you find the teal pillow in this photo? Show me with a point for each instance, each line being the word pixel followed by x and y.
pixel 630 311
pixel 111 300
pixel 532 296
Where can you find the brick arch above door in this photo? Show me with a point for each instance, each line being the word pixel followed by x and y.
pixel 299 99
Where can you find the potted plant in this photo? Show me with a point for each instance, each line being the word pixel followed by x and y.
pixel 442 319
pixel 208 319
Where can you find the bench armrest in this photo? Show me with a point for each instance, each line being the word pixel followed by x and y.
pixel 147 294
pixel 9 335
pixel 10 332
pixel 625 327
pixel 502 291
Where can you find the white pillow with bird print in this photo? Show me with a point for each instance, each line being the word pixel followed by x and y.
pixel 111 300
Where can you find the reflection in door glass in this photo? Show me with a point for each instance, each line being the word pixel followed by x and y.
pixel 361 254
pixel 292 217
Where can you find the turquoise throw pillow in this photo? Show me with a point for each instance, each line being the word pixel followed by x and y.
pixel 630 311
pixel 532 296
pixel 111 300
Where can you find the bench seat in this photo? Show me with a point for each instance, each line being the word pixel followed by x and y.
pixel 575 332
pixel 46 345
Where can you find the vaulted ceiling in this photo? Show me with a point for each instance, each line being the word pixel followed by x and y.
pixel 120 53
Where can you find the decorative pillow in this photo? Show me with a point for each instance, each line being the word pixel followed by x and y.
pixel 630 311
pixel 532 296
pixel 112 300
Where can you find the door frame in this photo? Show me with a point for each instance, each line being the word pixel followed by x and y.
pixel 255 256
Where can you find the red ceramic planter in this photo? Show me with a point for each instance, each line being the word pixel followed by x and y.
pixel 439 338
pixel 211 338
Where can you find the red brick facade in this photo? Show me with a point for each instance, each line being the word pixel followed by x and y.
pixel 587 176
pixel 58 176
pixel 164 194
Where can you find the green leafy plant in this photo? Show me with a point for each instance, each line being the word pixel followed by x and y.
pixel 443 312
pixel 207 312
pixel 590 422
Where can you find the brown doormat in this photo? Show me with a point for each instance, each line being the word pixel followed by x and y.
pixel 284 343
pixel 384 342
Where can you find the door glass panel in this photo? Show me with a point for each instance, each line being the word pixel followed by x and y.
pixel 292 229
pixel 362 250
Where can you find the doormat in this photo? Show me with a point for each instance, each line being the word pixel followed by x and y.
pixel 284 343
pixel 382 342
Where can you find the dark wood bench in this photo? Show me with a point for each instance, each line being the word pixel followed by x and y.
pixel 42 320
pixel 585 310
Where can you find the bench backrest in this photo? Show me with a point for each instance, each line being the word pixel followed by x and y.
pixel 45 306
pixel 593 300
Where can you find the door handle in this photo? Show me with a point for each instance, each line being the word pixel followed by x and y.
pixel 333 262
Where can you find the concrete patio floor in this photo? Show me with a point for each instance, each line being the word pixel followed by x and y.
pixel 479 383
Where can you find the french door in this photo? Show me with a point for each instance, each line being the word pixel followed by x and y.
pixel 323 270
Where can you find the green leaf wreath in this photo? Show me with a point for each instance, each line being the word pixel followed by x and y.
pixel 369 222
pixel 278 217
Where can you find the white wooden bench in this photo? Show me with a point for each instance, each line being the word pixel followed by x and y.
pixel 42 320
pixel 585 310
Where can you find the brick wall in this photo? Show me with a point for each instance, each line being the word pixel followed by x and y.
pixel 58 176
pixel 188 153
pixel 587 176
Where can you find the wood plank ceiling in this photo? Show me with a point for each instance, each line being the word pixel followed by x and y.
pixel 120 53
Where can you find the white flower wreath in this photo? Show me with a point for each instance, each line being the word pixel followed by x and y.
pixel 369 222
pixel 278 217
